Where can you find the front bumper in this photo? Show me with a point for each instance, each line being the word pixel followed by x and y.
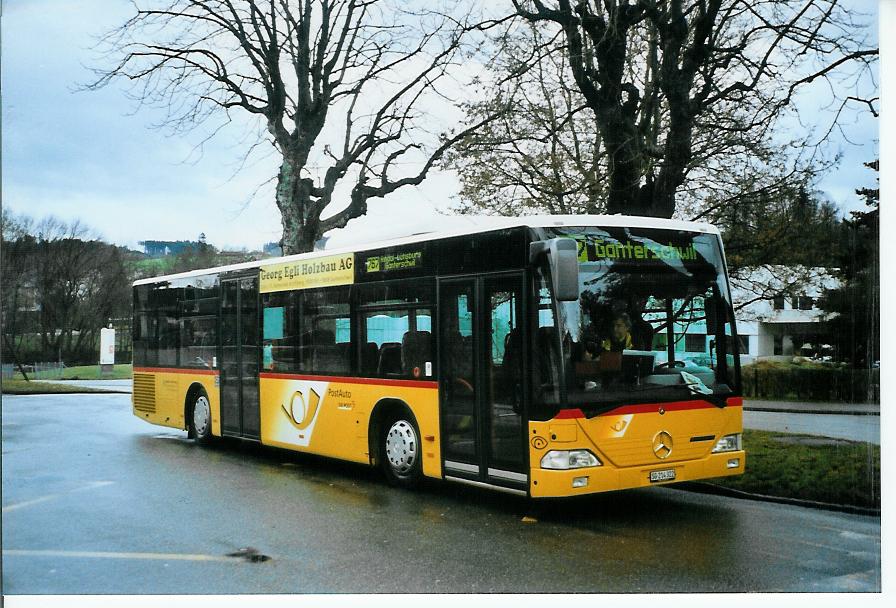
pixel 546 483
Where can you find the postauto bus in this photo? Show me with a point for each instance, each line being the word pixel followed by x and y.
pixel 544 356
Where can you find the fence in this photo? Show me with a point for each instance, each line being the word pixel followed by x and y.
pixel 28 348
pixel 36 371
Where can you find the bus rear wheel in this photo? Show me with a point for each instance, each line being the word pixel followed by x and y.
pixel 201 419
pixel 400 452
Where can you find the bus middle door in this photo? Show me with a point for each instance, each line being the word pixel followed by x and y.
pixel 483 439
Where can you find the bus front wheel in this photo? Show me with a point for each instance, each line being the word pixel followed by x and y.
pixel 201 418
pixel 400 452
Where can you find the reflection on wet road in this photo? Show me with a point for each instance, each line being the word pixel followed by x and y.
pixel 109 504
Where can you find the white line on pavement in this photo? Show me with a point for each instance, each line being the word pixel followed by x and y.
pixel 194 557
pixel 28 503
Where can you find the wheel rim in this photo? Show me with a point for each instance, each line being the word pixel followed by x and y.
pixel 201 416
pixel 401 447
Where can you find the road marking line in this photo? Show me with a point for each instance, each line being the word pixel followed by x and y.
pixel 92 485
pixel 28 503
pixel 193 557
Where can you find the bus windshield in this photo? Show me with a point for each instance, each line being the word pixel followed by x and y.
pixel 653 321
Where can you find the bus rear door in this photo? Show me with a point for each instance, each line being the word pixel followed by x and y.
pixel 240 358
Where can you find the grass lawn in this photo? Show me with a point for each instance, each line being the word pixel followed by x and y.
pixel 86 372
pixel 809 468
pixel 22 387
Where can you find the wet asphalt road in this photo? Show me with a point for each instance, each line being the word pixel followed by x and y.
pixel 97 501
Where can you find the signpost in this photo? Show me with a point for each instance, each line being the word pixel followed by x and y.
pixel 107 349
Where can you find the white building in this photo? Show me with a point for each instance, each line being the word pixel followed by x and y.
pixel 776 309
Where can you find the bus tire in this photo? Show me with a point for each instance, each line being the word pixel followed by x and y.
pixel 200 420
pixel 401 455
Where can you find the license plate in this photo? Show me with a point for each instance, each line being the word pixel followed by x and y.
pixel 664 475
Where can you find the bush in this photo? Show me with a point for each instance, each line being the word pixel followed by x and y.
pixel 811 382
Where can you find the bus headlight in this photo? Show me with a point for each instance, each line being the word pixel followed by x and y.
pixel 569 459
pixel 728 443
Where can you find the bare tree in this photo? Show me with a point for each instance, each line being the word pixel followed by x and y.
pixel 79 283
pixel 15 275
pixel 675 84
pixel 336 84
pixel 541 153
pixel 60 285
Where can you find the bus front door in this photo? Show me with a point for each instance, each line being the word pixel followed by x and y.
pixel 481 328
pixel 239 358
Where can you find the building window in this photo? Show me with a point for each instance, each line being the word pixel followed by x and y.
pixel 778 302
pixel 779 345
pixel 695 343
pixel 802 302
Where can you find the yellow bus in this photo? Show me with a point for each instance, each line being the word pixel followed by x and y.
pixel 544 356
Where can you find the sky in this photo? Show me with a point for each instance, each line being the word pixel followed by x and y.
pixel 92 156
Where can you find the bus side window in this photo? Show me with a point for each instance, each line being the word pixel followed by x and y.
pixel 370 356
pixel 395 331
pixel 390 359
pixel 166 304
pixel 462 357
pixel 325 331
pixel 279 332
pixel 416 352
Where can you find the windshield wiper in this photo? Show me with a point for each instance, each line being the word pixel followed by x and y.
pixel 718 399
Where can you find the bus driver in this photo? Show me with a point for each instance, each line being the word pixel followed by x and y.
pixel 620 335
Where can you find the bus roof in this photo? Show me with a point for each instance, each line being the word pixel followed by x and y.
pixel 460 225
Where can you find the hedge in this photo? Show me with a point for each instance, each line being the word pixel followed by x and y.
pixel 811 383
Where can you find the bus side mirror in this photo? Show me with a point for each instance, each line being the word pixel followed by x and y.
pixel 563 259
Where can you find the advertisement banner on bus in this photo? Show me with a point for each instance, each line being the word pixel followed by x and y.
pixel 306 274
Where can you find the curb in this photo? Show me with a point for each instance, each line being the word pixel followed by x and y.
pixel 703 487
pixel 794 411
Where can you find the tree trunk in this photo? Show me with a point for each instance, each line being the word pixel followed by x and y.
pixel 298 213
pixel 15 357
pixel 622 167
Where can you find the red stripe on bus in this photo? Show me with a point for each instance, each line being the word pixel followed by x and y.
pixel 177 370
pixel 567 414
pixel 675 406
pixel 347 380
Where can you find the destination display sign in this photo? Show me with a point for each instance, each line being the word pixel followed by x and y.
pixel 306 274
pixel 599 250
pixel 391 262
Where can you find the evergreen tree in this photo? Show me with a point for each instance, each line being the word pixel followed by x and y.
pixel 787 226
pixel 854 323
